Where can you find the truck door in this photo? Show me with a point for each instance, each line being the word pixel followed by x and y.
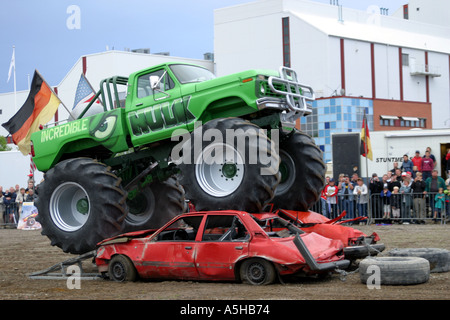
pixel 157 108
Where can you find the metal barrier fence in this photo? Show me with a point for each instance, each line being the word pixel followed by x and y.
pixel 401 208
pixel 9 214
pixel 410 208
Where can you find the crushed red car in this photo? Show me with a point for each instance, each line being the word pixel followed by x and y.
pixel 221 245
pixel 357 244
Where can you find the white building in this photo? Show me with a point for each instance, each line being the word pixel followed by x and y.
pixel 397 70
pixel 96 67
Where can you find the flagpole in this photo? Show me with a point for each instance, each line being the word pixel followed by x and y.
pixel 369 209
pixel 15 91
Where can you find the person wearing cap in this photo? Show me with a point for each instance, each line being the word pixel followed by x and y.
pixel 417 161
pixel 407 164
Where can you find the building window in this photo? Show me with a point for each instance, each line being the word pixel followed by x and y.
pixel 286 43
pixel 405 59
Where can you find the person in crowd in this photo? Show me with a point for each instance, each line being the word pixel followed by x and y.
pixel 405 191
pixel 439 204
pixel 386 202
pixel 30 186
pixel 447 163
pixel 9 203
pixel 362 197
pixel 447 202
pixel 428 149
pixel 407 164
pixel 427 166
pixel 323 198
pixel 418 194
pixel 20 199
pixel 31 196
pixel 432 185
pixel 331 192
pixel 417 161
pixel 414 172
pixel 375 187
pixel 394 183
pixel 2 211
pixel 396 202
pixel 395 164
pixel 345 194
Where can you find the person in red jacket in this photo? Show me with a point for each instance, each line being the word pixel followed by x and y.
pixel 417 161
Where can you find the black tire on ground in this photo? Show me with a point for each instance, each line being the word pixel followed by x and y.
pixel 395 270
pixel 257 271
pixel 121 269
pixel 241 174
pixel 302 172
pixel 155 205
pixel 80 202
pixel 439 259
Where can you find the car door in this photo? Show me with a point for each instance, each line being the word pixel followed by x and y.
pixel 225 240
pixel 167 255
pixel 157 107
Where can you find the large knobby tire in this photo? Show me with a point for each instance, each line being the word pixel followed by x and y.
pixel 438 258
pixel 257 271
pixel 395 270
pixel 302 172
pixel 241 174
pixel 121 268
pixel 80 202
pixel 155 205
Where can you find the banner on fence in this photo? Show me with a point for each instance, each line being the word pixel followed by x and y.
pixel 27 220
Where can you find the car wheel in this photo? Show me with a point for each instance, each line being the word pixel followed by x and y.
pixel 395 270
pixel 80 202
pixel 241 174
pixel 302 172
pixel 121 269
pixel 257 272
pixel 439 259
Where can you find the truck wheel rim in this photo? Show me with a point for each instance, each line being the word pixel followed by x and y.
pixel 141 208
pixel 219 170
pixel 287 171
pixel 69 206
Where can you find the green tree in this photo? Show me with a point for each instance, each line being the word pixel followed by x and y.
pixel 3 144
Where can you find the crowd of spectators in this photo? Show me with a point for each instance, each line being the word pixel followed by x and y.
pixel 410 192
pixel 11 201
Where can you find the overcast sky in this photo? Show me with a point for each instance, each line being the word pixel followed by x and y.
pixel 47 37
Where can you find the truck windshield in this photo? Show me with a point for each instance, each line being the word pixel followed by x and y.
pixel 189 74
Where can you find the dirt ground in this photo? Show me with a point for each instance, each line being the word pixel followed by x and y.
pixel 23 252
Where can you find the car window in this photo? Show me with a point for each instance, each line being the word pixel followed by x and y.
pixel 143 85
pixel 224 228
pixel 184 229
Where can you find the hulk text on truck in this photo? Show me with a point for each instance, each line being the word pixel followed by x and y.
pixel 114 171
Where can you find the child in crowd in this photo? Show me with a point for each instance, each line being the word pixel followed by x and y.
pixel 396 203
pixel 386 201
pixel 439 204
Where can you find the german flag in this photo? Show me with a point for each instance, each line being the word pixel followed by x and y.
pixel 38 109
pixel 366 147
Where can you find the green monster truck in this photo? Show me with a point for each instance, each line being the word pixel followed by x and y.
pixel 181 133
